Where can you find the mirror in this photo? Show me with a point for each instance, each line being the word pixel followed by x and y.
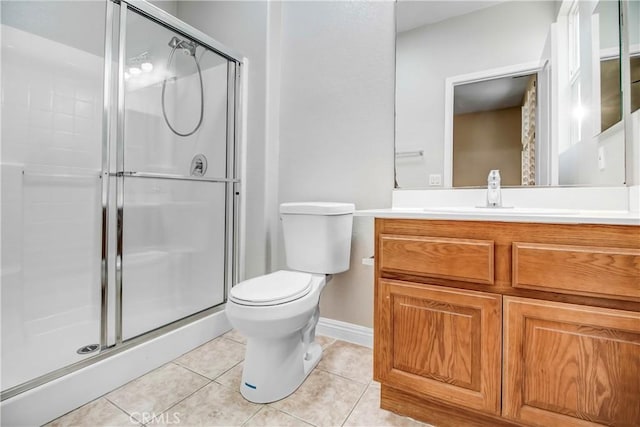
pixel 631 82
pixel 532 88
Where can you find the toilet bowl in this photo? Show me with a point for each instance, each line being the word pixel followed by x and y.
pixel 278 356
pixel 278 312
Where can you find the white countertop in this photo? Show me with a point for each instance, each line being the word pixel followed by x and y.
pixel 557 216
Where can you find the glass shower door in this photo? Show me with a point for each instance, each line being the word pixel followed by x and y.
pixel 172 164
pixel 52 97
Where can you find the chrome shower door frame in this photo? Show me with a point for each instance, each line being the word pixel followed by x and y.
pixel 114 174
pixel 231 179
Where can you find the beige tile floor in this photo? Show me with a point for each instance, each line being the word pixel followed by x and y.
pixel 201 388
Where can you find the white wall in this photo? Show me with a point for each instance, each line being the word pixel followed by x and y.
pixel 336 126
pixel 507 34
pixel 242 26
pixel 633 148
pixel 579 163
pixel 321 83
pixel 169 6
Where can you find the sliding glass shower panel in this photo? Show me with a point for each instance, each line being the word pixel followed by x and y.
pixel 173 259
pixel 52 77
pixel 176 102
pixel 174 149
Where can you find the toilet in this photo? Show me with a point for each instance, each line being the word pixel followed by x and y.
pixel 278 312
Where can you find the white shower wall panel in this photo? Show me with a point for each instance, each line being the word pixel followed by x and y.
pixel 152 147
pixel 148 145
pixel 51 160
pixel 210 139
pixel 51 98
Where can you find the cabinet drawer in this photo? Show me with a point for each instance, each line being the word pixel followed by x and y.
pixel 583 270
pixel 466 260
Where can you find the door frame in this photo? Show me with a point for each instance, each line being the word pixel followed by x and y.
pixel 478 76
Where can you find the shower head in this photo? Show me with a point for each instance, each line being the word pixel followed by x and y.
pixel 187 46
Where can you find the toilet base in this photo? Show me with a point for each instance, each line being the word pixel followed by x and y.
pixel 274 370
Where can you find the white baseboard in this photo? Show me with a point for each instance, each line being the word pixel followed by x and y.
pixel 344 331
pixel 55 398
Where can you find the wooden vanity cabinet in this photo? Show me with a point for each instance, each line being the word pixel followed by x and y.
pixel 570 365
pixel 496 323
pixel 442 342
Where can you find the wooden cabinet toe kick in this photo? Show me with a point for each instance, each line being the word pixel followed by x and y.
pixel 439 414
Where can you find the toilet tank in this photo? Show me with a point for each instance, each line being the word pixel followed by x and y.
pixel 317 236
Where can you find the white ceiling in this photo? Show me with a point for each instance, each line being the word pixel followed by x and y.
pixel 489 95
pixel 411 14
pixel 472 97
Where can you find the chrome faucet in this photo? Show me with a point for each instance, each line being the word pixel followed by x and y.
pixel 494 198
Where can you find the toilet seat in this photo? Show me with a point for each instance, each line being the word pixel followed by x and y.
pixel 272 289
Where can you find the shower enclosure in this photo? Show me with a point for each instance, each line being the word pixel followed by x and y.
pixel 120 181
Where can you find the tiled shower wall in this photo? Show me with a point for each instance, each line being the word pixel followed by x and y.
pixel 51 159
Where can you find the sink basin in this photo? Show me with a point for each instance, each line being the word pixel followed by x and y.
pixel 507 210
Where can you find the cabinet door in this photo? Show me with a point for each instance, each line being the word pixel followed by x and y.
pixel 441 342
pixel 570 365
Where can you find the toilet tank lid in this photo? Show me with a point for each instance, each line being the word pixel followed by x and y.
pixel 317 208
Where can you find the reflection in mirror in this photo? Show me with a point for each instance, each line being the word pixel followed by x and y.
pixel 635 80
pixel 632 86
pixel 494 128
pixel 573 133
pixel 633 24
pixel 605 24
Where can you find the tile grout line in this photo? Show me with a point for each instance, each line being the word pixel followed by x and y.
pixel 201 345
pixel 208 381
pixel 233 390
pixel 182 400
pixel 192 371
pixel 342 376
pixel 244 423
pixel 366 386
pixel 356 404
pixel 290 414
pixel 252 415
pixel 227 371
pixel 131 417
pixel 219 337
pixel 331 343
pixel 134 379
pixel 202 375
pixel 105 396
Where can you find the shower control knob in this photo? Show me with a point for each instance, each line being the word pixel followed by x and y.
pixel 198 165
